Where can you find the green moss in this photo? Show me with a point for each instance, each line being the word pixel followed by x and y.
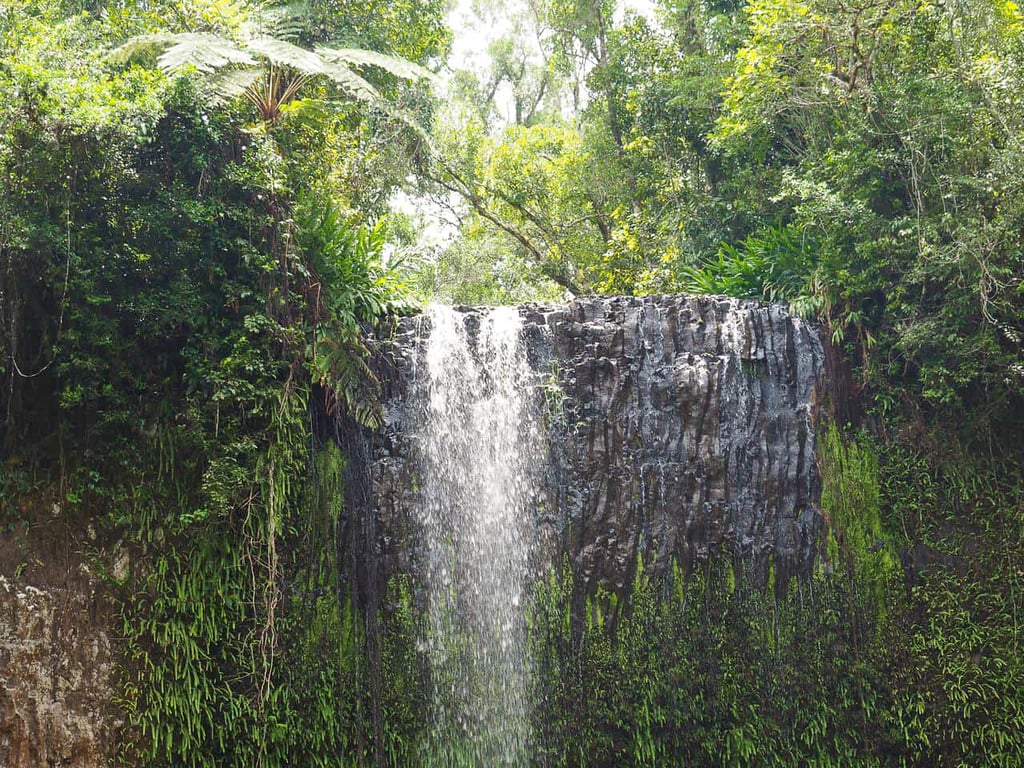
pixel 857 541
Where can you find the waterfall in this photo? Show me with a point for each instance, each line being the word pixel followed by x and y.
pixel 478 454
pixel 662 430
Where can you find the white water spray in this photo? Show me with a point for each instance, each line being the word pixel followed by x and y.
pixel 479 455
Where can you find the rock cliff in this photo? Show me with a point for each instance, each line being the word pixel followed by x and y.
pixel 676 427
pixel 57 667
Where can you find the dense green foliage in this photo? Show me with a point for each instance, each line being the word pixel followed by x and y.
pixel 195 233
pixel 860 162
pixel 849 666
pixel 185 283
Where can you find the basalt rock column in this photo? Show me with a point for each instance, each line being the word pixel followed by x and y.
pixel 685 431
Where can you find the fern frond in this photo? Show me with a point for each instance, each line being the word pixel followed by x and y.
pixel 207 53
pixel 233 67
pixel 229 83
pixel 358 388
pixel 141 46
pixel 284 54
pixel 354 84
pixel 285 22
pixel 402 68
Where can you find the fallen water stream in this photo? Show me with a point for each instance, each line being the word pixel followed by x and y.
pixel 478 455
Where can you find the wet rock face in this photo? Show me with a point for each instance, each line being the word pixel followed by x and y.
pixel 677 428
pixel 56 678
pixel 688 430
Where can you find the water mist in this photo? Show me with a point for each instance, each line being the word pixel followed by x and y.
pixel 478 454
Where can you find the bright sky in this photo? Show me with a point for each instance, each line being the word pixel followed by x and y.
pixel 472 35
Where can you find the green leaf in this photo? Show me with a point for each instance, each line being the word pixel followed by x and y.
pixel 282 53
pixel 206 53
pixel 398 67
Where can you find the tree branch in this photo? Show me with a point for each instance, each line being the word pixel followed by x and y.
pixel 461 187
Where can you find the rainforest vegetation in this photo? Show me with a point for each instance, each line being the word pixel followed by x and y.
pixel 199 224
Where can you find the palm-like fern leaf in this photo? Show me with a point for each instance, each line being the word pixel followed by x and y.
pixel 285 22
pixel 353 84
pixel 207 53
pixel 283 54
pixel 139 46
pixel 234 67
pixel 230 83
pixel 402 68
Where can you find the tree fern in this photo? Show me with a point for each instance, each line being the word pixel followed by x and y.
pixel 269 71
pixel 359 57
pixel 284 54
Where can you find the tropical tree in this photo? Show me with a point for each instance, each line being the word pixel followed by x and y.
pixel 269 70
pixel 889 130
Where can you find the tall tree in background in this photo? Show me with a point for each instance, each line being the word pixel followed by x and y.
pixel 638 188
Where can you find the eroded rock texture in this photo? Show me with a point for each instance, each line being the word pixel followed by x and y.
pixel 56 677
pixel 677 427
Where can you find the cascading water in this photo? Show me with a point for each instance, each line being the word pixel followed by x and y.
pixel 478 458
